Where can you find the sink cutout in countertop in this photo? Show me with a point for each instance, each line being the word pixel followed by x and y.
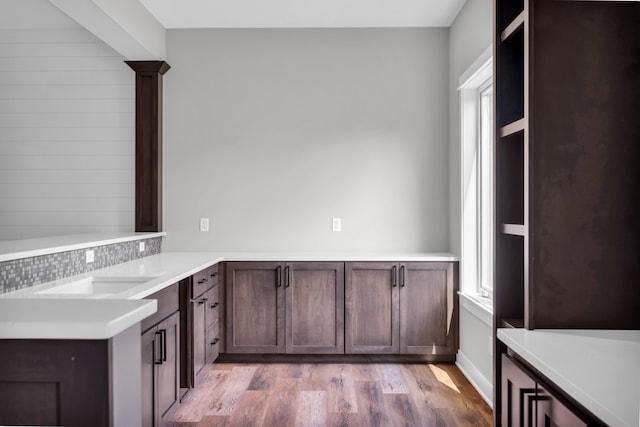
pixel 98 285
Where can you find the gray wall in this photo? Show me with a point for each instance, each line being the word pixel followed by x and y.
pixel 271 133
pixel 469 35
pixel 66 130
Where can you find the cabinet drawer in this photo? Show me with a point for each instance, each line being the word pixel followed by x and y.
pixel 167 305
pixel 213 342
pixel 204 280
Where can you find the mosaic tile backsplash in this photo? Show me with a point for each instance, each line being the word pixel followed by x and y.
pixel 25 272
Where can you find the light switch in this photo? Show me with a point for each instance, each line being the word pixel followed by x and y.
pixel 90 256
pixel 204 224
pixel 336 224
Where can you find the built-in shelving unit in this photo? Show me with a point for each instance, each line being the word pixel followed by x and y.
pixel 512 148
pixel 567 96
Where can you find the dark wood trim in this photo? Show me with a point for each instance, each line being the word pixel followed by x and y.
pixel 148 215
pixel 334 358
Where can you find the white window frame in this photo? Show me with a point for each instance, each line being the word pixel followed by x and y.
pixel 471 83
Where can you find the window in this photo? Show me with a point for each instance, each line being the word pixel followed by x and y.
pixel 485 190
pixel 477 179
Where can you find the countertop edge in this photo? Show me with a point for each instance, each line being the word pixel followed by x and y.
pixel 547 368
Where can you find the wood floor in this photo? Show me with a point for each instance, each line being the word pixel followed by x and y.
pixel 333 395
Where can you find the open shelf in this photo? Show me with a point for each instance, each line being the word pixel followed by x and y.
pixel 512 323
pixel 514 229
pixel 513 26
pixel 510 276
pixel 507 12
pixel 510 180
pixel 513 127
pixel 510 83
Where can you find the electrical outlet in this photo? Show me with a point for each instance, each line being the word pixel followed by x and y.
pixel 204 224
pixel 336 224
pixel 141 247
pixel 90 256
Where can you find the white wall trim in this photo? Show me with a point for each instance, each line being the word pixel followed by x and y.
pixel 476 67
pixel 478 309
pixel 478 381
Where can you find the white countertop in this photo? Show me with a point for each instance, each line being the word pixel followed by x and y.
pixel 27 313
pixel 70 319
pixel 16 249
pixel 598 368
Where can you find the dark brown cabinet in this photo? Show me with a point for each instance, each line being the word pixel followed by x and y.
pixel 528 402
pixel 566 182
pixel 55 382
pixel 428 308
pixel 161 360
pixel 401 308
pixel 314 317
pixel 199 312
pixel 276 307
pixel 255 309
pixel 372 308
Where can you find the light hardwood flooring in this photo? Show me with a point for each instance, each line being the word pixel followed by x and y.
pixel 333 395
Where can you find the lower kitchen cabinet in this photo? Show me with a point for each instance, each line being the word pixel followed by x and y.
pixel 161 361
pixel 428 308
pixel 199 308
pixel 527 401
pixel 255 309
pixel 277 307
pixel 401 308
pixel 372 308
pixel 314 298
pixel 55 382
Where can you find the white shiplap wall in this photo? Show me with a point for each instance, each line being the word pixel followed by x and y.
pixel 67 105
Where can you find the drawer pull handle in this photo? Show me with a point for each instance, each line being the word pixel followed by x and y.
pixel 157 348
pixel 287 277
pixel 202 300
pixel 215 304
pixel 163 335
pixel 279 277
pixel 402 277
pixel 215 341
pixel 214 274
pixel 394 273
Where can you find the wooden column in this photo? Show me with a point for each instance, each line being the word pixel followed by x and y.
pixel 148 216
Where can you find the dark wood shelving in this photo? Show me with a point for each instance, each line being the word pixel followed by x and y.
pixel 513 127
pixel 513 26
pixel 512 323
pixel 514 229
pixel 566 183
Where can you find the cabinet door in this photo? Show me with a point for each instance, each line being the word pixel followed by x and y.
pixel 315 307
pixel 199 310
pixel 213 342
pixel 148 374
pixel 168 370
pixel 372 307
pixel 255 309
pixel 518 396
pixel 213 306
pixel 552 412
pixel 428 309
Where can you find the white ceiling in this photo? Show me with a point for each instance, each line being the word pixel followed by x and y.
pixel 303 13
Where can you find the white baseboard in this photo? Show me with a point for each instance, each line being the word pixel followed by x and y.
pixel 475 377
